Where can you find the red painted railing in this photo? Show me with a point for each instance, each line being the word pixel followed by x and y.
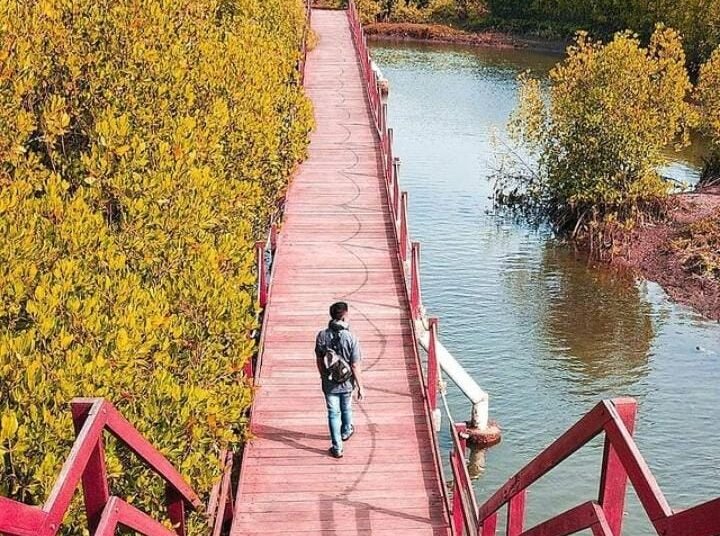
pixel 220 505
pixel 464 506
pixel 265 252
pixel 415 292
pixel 433 372
pixel 86 465
pixel 621 461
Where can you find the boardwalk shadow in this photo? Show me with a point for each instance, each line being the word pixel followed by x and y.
pixel 289 438
pixel 372 388
pixel 362 510
pixel 362 514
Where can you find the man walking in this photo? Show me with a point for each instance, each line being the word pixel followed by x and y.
pixel 338 357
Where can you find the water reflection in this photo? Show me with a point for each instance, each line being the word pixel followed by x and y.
pixel 440 57
pixel 596 328
pixel 475 462
pixel 544 334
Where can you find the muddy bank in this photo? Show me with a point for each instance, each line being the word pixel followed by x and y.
pixel 680 253
pixel 441 33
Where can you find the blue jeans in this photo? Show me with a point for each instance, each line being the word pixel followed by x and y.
pixel 339 408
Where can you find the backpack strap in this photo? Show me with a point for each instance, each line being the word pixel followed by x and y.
pixel 335 343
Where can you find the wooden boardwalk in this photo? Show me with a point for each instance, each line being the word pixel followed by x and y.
pixel 338 242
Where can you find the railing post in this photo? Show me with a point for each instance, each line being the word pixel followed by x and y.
pixel 176 509
pixel 262 276
pixel 516 514
pixel 248 368
pixel 404 234
pixel 457 462
pixel 384 119
pixel 432 366
pixel 389 157
pixel 273 237
pixel 96 491
pixel 381 126
pixel 224 512
pixel 367 69
pixel 380 120
pixel 461 428
pixel 489 526
pixel 378 108
pixel 458 517
pixel 613 479
pixel 366 55
pixel 415 297
pixel 396 188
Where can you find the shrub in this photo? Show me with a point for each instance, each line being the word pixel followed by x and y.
pixel 698 245
pixel 409 13
pixel 371 10
pixel 598 143
pixel 697 20
pixel 443 10
pixel 708 98
pixel 142 144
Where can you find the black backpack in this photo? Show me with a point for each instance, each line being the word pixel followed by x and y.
pixel 337 369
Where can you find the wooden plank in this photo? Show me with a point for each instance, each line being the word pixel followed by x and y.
pixel 311 497
pixel 430 531
pixel 387 469
pixel 340 511
pixel 330 520
pixel 337 242
pixel 302 483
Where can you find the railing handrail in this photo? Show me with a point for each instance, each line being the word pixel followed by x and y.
pixel 464 504
pixel 86 464
pixel 220 505
pixel 621 462
pixel 464 508
pixel 398 203
pixel 616 418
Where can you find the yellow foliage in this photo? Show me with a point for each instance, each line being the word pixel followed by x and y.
pixel 698 245
pixel 708 97
pixel 143 144
pixel 411 13
pixel 369 10
pixel 613 108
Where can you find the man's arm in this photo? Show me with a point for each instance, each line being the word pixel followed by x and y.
pixel 319 356
pixel 357 372
pixel 356 364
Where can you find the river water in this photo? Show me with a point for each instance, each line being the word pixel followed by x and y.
pixel 547 335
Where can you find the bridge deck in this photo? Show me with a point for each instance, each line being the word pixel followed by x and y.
pixel 337 242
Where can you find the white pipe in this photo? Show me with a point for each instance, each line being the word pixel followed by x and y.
pixel 456 372
pixel 382 81
pixel 374 66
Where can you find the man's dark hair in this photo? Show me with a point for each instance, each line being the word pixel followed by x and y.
pixel 338 310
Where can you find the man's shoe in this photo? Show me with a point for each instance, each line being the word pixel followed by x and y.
pixel 349 434
pixel 334 453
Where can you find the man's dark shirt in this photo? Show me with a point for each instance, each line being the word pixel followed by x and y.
pixel 349 348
